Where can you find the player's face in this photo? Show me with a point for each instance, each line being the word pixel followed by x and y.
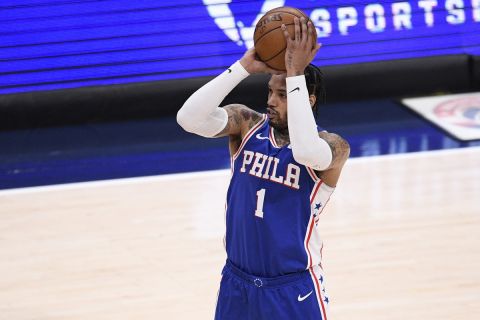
pixel 277 102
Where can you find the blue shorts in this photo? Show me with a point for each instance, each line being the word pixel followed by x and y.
pixel 295 296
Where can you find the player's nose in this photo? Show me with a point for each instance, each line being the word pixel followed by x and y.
pixel 271 101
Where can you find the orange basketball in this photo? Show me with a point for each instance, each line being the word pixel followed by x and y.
pixel 268 38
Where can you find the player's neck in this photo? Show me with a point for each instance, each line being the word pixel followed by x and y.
pixel 281 137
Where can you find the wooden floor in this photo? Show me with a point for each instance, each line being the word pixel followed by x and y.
pixel 402 241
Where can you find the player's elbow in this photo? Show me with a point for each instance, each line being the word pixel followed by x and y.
pixel 314 161
pixel 184 120
pixel 318 156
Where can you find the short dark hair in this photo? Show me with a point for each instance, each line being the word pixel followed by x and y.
pixel 315 85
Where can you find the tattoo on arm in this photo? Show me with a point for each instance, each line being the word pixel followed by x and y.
pixel 250 117
pixel 238 117
pixel 339 146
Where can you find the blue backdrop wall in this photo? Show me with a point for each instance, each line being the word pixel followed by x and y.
pixel 57 44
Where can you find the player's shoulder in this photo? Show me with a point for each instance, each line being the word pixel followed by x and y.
pixel 330 135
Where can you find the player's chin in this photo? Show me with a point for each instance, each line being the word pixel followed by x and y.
pixel 272 120
pixel 271 123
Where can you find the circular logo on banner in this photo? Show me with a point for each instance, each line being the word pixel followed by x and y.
pixel 463 112
pixel 237 30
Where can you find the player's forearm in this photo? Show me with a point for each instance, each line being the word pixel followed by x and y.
pixel 307 147
pixel 201 114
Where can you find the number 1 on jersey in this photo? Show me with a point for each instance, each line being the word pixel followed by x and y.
pixel 260 200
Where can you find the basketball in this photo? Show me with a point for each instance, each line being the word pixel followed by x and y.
pixel 268 37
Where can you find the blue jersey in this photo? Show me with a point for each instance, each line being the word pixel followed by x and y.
pixel 273 206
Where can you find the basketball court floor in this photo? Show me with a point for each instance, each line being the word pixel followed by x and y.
pixel 401 236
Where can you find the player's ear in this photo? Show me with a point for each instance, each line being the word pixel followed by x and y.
pixel 312 98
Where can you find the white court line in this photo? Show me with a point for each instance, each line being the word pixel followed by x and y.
pixel 417 154
pixel 111 182
pixel 222 172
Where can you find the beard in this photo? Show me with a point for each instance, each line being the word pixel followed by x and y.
pixel 275 120
pixel 278 124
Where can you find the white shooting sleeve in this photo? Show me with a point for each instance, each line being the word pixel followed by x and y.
pixel 307 147
pixel 201 114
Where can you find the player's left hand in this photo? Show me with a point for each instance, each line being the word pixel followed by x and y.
pixel 300 51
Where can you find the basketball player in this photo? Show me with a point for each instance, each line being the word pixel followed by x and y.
pixel 284 169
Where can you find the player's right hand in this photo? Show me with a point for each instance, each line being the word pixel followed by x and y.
pixel 251 63
pixel 300 51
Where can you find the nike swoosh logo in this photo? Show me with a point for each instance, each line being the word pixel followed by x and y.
pixel 229 70
pixel 258 136
pixel 297 88
pixel 300 298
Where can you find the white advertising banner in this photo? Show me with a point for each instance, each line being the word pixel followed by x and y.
pixel 458 114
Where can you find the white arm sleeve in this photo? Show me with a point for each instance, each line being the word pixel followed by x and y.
pixel 307 147
pixel 201 114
